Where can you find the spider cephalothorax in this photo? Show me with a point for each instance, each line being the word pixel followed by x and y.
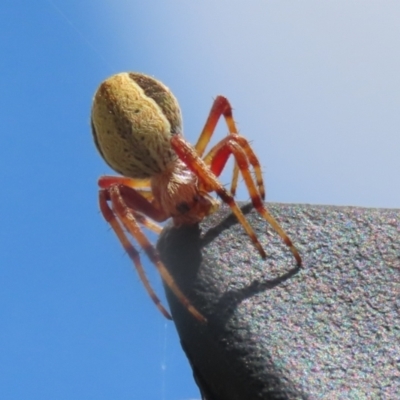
pixel 137 128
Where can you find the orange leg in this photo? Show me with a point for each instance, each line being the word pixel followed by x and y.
pixel 218 160
pixel 107 181
pixel 218 163
pixel 210 182
pixel 136 199
pixel 110 217
pixel 142 186
pixel 124 199
pixel 220 107
pixel 139 201
pixel 146 222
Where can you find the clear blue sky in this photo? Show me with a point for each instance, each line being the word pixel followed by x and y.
pixel 316 87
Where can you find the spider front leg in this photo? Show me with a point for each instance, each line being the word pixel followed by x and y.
pixel 241 150
pixel 111 218
pixel 140 186
pixel 210 183
pixel 220 107
pixel 206 175
pixel 218 161
pixel 125 200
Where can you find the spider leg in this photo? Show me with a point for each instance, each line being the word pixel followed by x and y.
pixel 220 107
pixel 110 217
pixel 217 164
pixel 147 222
pixel 124 199
pixel 134 190
pixel 210 182
pixel 142 186
pixel 232 146
pixel 108 180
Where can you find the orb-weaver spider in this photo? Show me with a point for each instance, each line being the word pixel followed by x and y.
pixel 137 128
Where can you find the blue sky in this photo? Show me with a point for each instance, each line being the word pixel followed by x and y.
pixel 315 86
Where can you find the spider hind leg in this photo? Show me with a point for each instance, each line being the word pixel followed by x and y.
pixel 220 154
pixel 238 146
pixel 123 213
pixel 111 218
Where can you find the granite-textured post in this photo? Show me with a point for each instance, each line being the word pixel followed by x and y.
pixel 330 330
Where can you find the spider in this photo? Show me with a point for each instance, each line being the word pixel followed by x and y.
pixel 137 128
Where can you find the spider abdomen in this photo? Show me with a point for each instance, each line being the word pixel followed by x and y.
pixel 133 118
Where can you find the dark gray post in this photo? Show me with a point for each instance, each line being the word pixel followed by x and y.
pixel 330 330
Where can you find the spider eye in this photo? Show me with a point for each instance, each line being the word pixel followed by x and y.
pixel 183 207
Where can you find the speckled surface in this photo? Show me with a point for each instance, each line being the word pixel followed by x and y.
pixel 327 331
